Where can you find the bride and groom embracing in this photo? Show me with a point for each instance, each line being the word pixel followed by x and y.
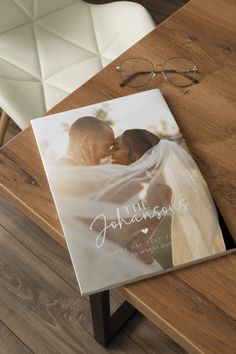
pixel 115 175
pixel 92 142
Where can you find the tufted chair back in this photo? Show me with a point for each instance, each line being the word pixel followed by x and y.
pixel 50 48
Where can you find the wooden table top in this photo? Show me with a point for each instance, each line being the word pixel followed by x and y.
pixel 195 306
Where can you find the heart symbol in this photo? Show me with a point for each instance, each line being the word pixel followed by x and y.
pixel 145 231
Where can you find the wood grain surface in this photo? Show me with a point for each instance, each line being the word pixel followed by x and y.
pixel 184 303
pixel 10 343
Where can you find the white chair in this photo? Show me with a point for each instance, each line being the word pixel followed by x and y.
pixel 48 48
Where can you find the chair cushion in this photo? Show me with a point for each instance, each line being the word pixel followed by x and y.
pixel 50 48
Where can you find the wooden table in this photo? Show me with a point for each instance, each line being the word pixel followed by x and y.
pixel 195 306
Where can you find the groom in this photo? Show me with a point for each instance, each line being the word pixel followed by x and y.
pixel 90 141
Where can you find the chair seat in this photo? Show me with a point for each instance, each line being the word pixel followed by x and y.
pixel 50 48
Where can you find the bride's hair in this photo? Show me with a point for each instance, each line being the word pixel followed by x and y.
pixel 138 141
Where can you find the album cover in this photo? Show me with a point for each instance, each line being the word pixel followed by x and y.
pixel 131 200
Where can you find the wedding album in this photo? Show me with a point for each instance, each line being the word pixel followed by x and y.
pixel 131 200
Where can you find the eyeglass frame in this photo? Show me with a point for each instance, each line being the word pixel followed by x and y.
pixel 162 72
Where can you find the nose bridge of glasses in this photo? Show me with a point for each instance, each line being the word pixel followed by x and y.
pixel 158 69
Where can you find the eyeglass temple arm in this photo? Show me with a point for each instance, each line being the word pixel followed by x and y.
pixel 132 76
pixel 184 73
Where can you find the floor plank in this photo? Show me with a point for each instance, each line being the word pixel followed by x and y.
pixel 38 242
pixel 9 343
pixel 12 131
pixel 159 9
pixel 150 337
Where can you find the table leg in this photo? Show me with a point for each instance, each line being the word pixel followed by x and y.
pixel 105 325
pixel 228 237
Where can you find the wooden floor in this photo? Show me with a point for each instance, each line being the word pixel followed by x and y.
pixel 41 310
pixel 159 9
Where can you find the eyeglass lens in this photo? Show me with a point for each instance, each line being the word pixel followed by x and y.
pixel 137 72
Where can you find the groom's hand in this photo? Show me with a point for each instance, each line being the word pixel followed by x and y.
pixel 88 155
pixel 92 155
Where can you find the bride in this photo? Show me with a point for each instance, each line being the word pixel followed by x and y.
pixel 195 231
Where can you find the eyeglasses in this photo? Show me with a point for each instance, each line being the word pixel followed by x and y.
pixel 137 72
